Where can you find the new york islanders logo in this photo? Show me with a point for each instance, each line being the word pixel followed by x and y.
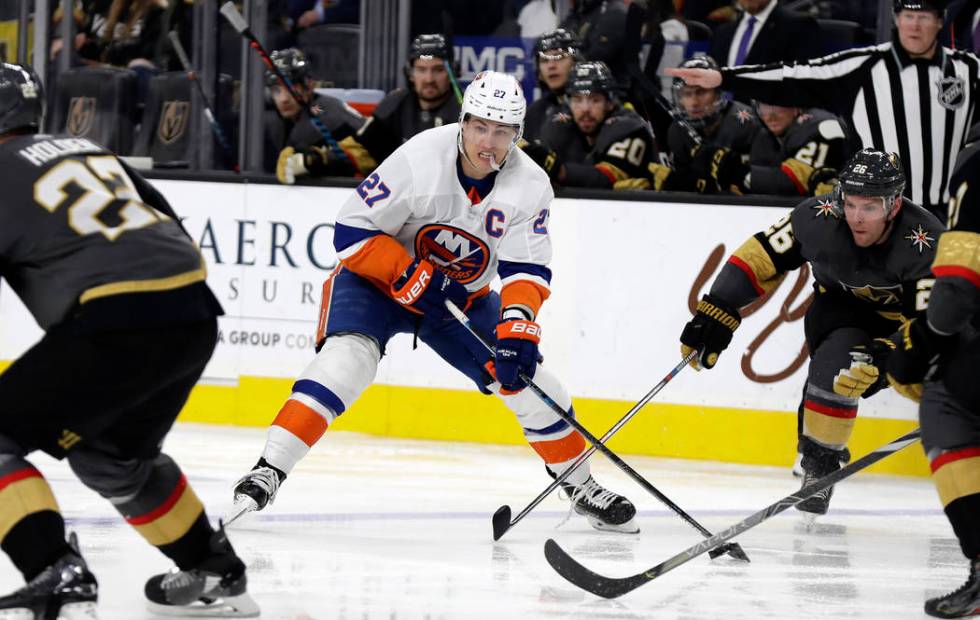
pixel 458 254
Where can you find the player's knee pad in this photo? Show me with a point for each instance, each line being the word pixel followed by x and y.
pixel 112 477
pixel 530 410
pixel 345 366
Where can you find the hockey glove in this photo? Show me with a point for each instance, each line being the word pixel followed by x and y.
pixel 545 157
pixel 866 376
pixel 517 351
pixel 823 181
pixel 290 165
pixel 917 358
pixel 423 289
pixel 709 332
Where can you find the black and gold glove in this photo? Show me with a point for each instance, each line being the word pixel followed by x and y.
pixel 709 332
pixel 545 157
pixel 917 358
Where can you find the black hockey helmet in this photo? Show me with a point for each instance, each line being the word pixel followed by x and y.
pixel 292 62
pixel 871 172
pixel 939 6
pixel 21 98
pixel 429 46
pixel 677 87
pixel 592 76
pixel 561 40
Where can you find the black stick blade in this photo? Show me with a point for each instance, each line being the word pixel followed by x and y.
pixel 606 587
pixel 501 521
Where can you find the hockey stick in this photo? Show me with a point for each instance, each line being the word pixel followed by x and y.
pixel 610 587
pixel 501 519
pixel 239 24
pixel 185 62
pixel 734 550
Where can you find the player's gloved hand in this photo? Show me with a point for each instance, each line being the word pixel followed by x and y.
pixel 700 175
pixel 545 157
pixel 728 170
pixel 424 289
pixel 866 360
pixel 917 358
pixel 709 332
pixel 517 351
pixel 823 181
pixel 290 165
pixel 661 176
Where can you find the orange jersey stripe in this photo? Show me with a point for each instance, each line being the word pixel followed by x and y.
pixel 381 259
pixel 560 450
pixel 953 455
pixel 957 475
pixel 753 280
pixel 836 412
pixel 301 421
pixel 173 519
pixel 792 177
pixel 956 271
pixel 524 293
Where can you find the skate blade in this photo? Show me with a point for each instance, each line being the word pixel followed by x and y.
pixel 243 505
pixel 241 606
pixel 78 611
pixel 630 527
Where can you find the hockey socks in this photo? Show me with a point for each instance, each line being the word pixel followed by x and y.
pixel 169 515
pixel 956 474
pixel 32 531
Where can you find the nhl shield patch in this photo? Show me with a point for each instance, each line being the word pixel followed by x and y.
pixel 952 92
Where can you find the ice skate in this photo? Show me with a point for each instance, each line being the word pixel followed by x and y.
pixel 214 589
pixel 605 510
pixel 962 603
pixel 66 590
pixel 818 461
pixel 255 490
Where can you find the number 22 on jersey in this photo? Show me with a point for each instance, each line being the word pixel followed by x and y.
pixel 103 182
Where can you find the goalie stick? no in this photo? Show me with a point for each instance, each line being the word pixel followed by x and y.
pixel 611 587
pixel 733 549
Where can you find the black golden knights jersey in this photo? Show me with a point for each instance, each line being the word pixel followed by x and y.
pixel 894 277
pixel 538 113
pixel 623 148
pixel 340 119
pixel 736 130
pixel 396 119
pixel 955 302
pixel 784 165
pixel 77 225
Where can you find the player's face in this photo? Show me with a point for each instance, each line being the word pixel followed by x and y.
pixel 481 138
pixel 553 68
pixel 866 218
pixel 430 78
pixel 698 102
pixel 918 31
pixel 753 6
pixel 776 117
pixel 285 104
pixel 589 111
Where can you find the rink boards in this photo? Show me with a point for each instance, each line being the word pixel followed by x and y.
pixel 626 274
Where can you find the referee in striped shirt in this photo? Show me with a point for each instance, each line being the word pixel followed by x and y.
pixel 912 97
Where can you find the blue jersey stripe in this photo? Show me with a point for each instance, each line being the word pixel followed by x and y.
pixel 345 236
pixel 321 394
pixel 507 269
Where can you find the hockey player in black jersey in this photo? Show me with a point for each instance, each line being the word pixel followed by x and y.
pixel 427 102
pixel 936 364
pixel 870 252
pixel 797 153
pixel 720 123
pixel 601 143
pixel 289 133
pixel 100 260
pixel 555 52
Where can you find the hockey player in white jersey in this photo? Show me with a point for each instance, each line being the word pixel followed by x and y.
pixel 447 212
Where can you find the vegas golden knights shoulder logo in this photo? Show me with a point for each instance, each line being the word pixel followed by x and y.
pixel 173 121
pixel 81 116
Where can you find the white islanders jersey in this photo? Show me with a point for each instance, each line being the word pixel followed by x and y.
pixel 416 197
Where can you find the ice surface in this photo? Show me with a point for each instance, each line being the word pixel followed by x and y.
pixel 369 527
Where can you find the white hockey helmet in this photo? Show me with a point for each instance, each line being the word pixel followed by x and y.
pixel 497 97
